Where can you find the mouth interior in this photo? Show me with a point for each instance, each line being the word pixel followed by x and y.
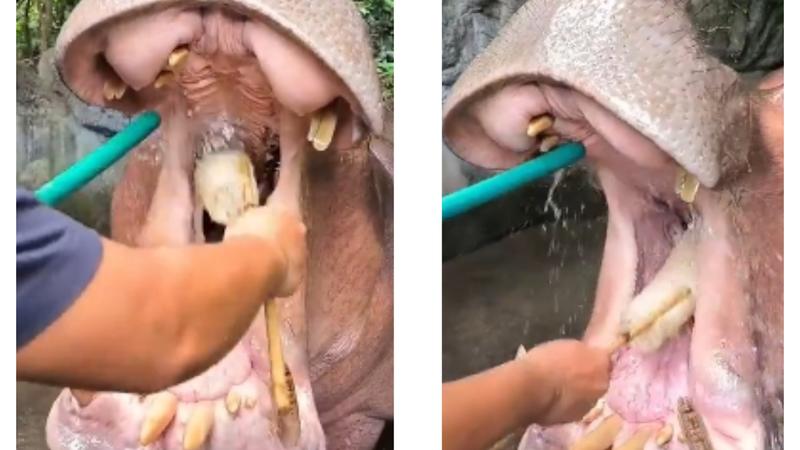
pixel 267 170
pixel 660 225
pixel 647 384
pixel 223 88
pixel 649 228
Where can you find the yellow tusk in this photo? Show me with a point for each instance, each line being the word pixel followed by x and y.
pixel 539 124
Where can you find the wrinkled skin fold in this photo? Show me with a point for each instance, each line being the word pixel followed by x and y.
pixel 632 82
pixel 249 76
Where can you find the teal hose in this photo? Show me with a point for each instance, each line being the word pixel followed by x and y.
pixel 490 189
pixel 93 164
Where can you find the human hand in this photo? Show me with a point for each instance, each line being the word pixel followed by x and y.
pixel 574 374
pixel 284 229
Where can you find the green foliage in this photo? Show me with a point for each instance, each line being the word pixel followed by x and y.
pixel 38 24
pixel 379 15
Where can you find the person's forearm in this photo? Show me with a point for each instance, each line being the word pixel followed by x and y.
pixel 214 294
pixel 479 410
pixel 153 317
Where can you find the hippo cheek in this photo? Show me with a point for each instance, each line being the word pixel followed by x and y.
pixel 250 78
pixel 758 235
pixel 669 135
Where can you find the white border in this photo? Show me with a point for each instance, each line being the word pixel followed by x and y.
pixel 418 255
pixel 417 228
pixel 8 389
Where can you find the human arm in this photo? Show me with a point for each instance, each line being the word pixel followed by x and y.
pixel 152 317
pixel 555 382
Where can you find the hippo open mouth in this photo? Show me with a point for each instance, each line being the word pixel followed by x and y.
pixel 667 131
pixel 254 81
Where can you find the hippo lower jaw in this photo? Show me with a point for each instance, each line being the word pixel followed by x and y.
pixel 229 406
pixel 217 90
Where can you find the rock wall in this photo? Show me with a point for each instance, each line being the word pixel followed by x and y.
pixel 468 26
pixel 55 129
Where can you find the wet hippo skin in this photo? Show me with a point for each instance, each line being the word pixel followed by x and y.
pixel 249 76
pixel 631 81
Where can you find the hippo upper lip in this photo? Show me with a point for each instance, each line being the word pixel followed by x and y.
pixel 635 57
pixel 333 31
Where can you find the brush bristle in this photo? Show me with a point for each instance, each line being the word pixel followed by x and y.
pixel 225 184
pixel 659 312
pixel 665 327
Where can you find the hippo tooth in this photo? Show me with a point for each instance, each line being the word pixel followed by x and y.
pixel 114 90
pixel 686 186
pixel 595 412
pixel 548 143
pixel 664 435
pixel 232 401
pixel 83 397
pixel 521 352
pixel 313 126
pixel 161 410
pixel 637 441
pixel 601 437
pixel 322 128
pixel 539 124
pixel 163 79
pixel 280 384
pixel 225 184
pixel 198 427
pixel 177 58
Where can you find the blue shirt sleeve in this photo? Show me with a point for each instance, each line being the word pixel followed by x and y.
pixel 57 257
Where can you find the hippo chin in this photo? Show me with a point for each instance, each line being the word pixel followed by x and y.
pixel 256 76
pixel 690 159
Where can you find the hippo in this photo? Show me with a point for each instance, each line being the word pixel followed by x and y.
pixel 689 157
pixel 257 77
